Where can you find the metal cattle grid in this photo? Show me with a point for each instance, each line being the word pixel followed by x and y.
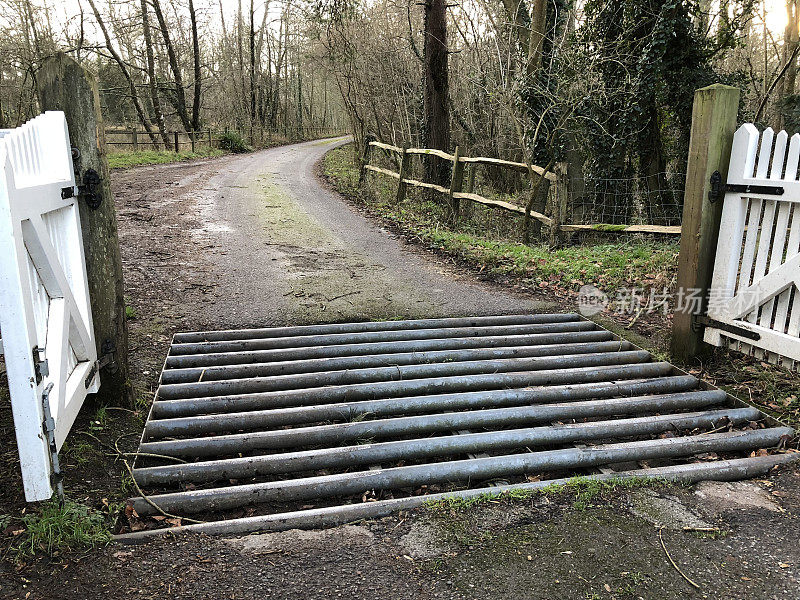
pixel 316 425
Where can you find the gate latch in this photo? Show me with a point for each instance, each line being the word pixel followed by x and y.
pixel 89 189
pixel 40 367
pixel 718 189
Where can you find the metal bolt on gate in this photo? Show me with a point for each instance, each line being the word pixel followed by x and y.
pixel 325 415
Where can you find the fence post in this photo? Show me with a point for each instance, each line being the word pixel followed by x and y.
pixel 176 142
pixel 713 125
pixel 558 210
pixel 192 138
pixel 67 86
pixel 456 182
pixel 134 139
pixel 210 143
pixel 471 178
pixel 405 159
pixel 362 173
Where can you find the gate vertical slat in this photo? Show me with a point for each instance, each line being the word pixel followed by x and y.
pixel 766 231
pixel 790 214
pixel 756 205
pixel 743 155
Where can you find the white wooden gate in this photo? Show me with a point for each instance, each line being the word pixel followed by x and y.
pixel 755 292
pixel 45 315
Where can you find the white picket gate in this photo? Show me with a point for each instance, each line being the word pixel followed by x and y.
pixel 45 313
pixel 755 291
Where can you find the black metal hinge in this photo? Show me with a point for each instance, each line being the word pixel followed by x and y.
pixel 705 321
pixel 90 189
pixel 718 189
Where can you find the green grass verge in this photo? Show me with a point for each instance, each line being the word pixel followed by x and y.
pixel 55 529
pixel 124 160
pixel 610 265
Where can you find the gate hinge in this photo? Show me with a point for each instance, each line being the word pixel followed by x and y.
pixel 108 351
pixel 706 321
pixel 49 429
pixel 718 189
pixel 90 189
pixel 40 367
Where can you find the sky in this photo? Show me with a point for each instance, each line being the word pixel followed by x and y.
pixel 775 11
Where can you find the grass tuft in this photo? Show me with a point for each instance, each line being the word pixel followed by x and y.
pixel 55 529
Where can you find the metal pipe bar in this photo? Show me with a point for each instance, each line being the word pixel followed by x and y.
pixel 346 484
pixel 723 470
pixel 386 452
pixel 606 356
pixel 393 389
pixel 295 367
pixel 346 411
pixel 375 336
pixel 344 350
pixel 319 435
pixel 300 330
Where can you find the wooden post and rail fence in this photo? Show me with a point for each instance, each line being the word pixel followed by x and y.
pixel 554 211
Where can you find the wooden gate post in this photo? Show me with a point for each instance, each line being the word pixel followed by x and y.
pixel 176 142
pixel 66 86
pixel 135 139
pixel 405 160
pixel 713 126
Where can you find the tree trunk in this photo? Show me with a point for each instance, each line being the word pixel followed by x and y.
pixel 436 123
pixel 198 73
pixel 151 76
pixel 125 73
pixel 180 95
pixel 536 42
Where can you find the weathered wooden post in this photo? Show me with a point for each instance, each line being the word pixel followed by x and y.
pixel 193 139
pixel 558 205
pixel 134 139
pixel 456 182
pixel 176 142
pixel 365 156
pixel 210 143
pixel 405 161
pixel 471 178
pixel 713 126
pixel 67 86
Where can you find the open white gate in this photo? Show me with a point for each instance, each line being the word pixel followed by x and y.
pixel 755 292
pixel 45 314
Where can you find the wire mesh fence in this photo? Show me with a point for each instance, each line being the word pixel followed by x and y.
pixel 650 200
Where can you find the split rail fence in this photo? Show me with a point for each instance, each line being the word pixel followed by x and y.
pixel 554 212
pixel 133 140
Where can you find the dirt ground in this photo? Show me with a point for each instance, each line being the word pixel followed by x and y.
pixel 259 240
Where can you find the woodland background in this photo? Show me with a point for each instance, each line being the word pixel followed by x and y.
pixel 604 87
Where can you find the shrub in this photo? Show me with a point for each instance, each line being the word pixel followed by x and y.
pixel 234 142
